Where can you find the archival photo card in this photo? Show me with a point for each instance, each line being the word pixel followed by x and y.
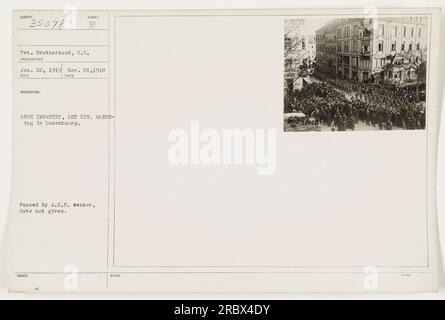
pixel 158 151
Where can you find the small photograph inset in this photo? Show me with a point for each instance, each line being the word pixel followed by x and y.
pixel 355 74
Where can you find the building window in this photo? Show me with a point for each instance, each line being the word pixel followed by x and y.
pixel 381 29
pixel 412 32
pixel 394 30
pixel 418 46
pixel 420 32
pixel 381 46
pixel 410 47
pixel 393 46
pixel 382 62
pixel 355 61
pixel 367 32
pixel 404 31
pixel 402 48
pixel 355 46
pixel 366 63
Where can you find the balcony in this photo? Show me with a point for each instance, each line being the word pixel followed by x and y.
pixel 367 34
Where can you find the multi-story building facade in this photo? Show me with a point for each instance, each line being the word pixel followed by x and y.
pixel 364 49
pixel 326 48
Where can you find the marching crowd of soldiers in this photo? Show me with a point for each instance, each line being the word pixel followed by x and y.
pixel 375 91
pixel 374 105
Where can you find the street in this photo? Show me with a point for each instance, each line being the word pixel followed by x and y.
pixel 360 125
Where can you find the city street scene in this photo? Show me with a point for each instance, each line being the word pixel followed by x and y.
pixel 355 74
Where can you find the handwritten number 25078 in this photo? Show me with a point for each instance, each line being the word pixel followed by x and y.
pixel 46 24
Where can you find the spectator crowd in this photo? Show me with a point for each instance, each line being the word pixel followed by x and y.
pixel 341 103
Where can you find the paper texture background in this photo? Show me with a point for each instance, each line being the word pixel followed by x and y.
pixel 338 202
